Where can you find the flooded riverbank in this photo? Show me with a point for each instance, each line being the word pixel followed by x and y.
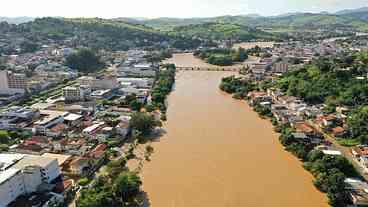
pixel 217 152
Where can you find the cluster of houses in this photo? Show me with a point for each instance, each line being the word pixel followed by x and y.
pixel 290 55
pixel 310 125
pixel 72 132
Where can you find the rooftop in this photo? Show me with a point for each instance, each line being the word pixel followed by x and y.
pixel 60 158
pixel 7 174
pixel 72 117
pixel 30 160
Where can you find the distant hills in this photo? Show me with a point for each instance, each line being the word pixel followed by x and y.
pixel 16 20
pixel 351 11
pixel 299 21
pixel 124 33
pixel 222 31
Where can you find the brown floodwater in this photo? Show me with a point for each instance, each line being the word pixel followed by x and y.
pixel 217 152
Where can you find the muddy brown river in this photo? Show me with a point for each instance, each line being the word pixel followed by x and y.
pixel 217 152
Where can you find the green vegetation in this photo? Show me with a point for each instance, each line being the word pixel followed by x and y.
pixel 4 137
pixel 290 23
pixel 329 171
pixel 358 124
pixel 120 187
pixel 8 138
pixel 163 87
pixel 222 31
pixel 237 86
pixel 348 142
pixel 85 60
pixel 92 32
pixel 84 181
pixel 143 123
pixel 222 57
pixel 328 79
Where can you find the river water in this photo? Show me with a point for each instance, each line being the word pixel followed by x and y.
pixel 217 152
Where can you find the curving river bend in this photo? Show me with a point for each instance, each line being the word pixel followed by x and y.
pixel 217 152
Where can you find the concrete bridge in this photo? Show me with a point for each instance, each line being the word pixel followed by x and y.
pixel 234 69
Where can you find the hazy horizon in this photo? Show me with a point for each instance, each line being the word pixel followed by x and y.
pixel 170 8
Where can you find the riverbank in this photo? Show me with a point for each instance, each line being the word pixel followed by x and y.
pixel 306 143
pixel 217 150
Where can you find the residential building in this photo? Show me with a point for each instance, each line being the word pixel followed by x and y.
pixel 76 93
pixel 280 67
pixel 11 83
pixel 357 191
pixel 23 174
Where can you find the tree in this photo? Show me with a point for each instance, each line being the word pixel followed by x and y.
pixel 358 122
pixel 143 122
pixel 127 186
pixel 83 182
pixel 135 105
pixel 4 137
pixel 28 46
pixel 85 60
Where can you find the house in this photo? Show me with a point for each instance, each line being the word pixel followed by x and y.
pixel 258 96
pixel 73 120
pixel 91 130
pixel 258 70
pixel 357 191
pixel 338 131
pixel 97 154
pixel 300 137
pixel 327 120
pixel 17 117
pixel 303 127
pixel 48 119
pixel 359 151
pixel 80 166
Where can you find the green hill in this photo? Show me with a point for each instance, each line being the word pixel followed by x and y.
pixel 221 31
pixel 300 21
pixel 92 32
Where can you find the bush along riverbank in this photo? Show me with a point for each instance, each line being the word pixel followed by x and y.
pixel 162 88
pixel 329 171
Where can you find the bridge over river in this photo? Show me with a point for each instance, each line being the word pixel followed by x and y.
pixel 234 69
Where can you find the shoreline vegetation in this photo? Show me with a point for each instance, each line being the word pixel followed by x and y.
pixel 329 171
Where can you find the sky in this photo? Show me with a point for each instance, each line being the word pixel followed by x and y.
pixel 168 8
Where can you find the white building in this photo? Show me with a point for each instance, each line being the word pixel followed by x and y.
pixel 138 82
pixel 23 174
pixel 103 83
pixel 76 93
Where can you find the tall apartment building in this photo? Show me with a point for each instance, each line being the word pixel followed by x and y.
pixel 280 67
pixel 11 83
pixel 17 80
pixel 76 93
pixel 23 174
